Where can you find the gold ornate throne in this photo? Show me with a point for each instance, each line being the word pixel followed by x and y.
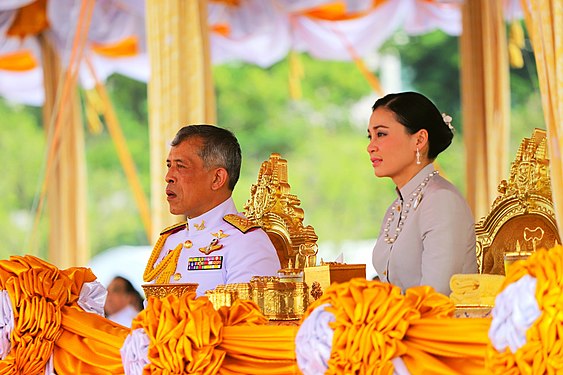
pixel 285 296
pixel 521 217
pixel 277 211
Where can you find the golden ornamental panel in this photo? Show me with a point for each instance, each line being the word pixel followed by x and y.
pixel 522 211
pixel 277 298
pixel 164 290
pixel 277 211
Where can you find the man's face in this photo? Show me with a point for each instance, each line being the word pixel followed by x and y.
pixel 189 183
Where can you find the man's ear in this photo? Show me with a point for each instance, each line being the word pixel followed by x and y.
pixel 220 178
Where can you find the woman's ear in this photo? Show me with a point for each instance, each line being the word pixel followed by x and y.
pixel 219 179
pixel 421 138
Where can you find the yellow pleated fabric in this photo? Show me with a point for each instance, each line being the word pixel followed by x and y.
pixel 38 292
pixel 259 350
pixel 187 336
pixel 89 344
pixel 543 351
pixel 376 323
pixel 544 21
pixel 180 89
pixel 485 101
pixel 184 333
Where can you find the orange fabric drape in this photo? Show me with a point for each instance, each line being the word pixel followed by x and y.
pixel 336 11
pixel 544 21
pixel 126 47
pixel 47 320
pixel 88 344
pixel 485 101
pixel 18 61
pixel 542 352
pixel 187 335
pixel 252 349
pixel 376 323
pixel 30 20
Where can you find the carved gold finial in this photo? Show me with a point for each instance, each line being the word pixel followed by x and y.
pixel 529 171
pixel 316 290
pixel 277 211
pixel 307 256
pixel 523 211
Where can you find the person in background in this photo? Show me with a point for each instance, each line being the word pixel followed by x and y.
pixel 428 232
pixel 123 301
pixel 217 244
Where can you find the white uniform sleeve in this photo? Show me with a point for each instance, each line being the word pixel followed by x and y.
pixel 255 255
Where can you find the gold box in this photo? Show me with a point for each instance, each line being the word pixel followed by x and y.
pixel 473 311
pixel 163 290
pixel 279 300
pixel 226 294
pixel 330 273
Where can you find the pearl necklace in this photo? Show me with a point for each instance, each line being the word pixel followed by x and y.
pixel 413 202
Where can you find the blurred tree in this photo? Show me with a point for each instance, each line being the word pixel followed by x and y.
pixel 22 148
pixel 420 58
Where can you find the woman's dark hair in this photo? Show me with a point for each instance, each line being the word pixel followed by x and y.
pixel 130 290
pixel 415 111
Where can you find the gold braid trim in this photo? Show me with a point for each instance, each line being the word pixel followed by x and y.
pixel 241 223
pixel 167 266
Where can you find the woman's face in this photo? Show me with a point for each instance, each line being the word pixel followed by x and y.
pixel 391 148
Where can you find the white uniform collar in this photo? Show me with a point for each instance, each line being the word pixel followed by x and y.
pixel 413 183
pixel 213 217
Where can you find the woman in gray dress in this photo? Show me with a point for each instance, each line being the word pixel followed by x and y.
pixel 427 234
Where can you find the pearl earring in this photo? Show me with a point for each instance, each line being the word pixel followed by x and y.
pixel 418 162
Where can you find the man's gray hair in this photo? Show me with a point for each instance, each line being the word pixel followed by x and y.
pixel 220 148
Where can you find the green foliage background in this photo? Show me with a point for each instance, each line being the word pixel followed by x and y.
pixel 322 135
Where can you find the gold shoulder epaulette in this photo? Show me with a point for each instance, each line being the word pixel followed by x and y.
pixel 241 223
pixel 174 228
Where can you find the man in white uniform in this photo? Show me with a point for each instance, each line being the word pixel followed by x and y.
pixel 217 244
